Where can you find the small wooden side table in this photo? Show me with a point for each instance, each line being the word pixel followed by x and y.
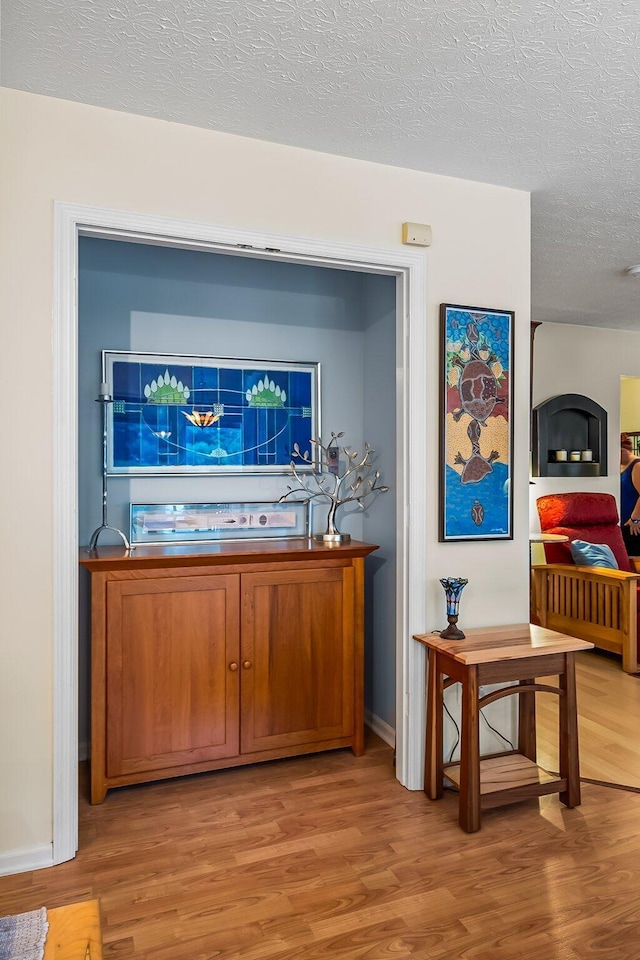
pixel 489 655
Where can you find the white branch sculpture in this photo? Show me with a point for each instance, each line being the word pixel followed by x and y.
pixel 358 482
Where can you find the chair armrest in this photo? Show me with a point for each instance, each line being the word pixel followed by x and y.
pixel 603 574
pixel 635 563
pixel 592 603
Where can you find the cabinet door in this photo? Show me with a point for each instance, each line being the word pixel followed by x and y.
pixel 172 672
pixel 297 653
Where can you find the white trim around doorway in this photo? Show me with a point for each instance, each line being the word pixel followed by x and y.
pixel 409 267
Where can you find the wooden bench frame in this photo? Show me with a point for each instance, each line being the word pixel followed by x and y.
pixel 74 932
pixel 591 603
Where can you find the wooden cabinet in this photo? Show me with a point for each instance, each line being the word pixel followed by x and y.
pixel 172 697
pixel 298 658
pixel 207 660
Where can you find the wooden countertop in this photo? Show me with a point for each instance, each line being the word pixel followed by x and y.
pixel 213 554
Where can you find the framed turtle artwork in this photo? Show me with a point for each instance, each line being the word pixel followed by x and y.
pixel 476 423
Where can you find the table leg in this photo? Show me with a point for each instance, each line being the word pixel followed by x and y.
pixel 569 757
pixel 527 722
pixel 433 761
pixel 469 812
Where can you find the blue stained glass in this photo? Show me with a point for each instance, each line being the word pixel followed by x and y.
pixel 177 414
pixel 299 391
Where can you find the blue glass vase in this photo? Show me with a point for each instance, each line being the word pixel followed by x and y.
pixel 453 587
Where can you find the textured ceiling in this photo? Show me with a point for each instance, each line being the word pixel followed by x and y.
pixel 536 94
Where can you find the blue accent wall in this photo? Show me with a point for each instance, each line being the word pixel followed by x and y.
pixel 379 417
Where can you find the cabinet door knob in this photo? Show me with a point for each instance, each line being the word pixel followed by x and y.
pixel 233 666
pixel 246 664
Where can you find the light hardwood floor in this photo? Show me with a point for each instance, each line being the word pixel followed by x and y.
pixel 327 856
pixel 608 721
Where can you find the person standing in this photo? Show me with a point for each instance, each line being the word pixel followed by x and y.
pixel 629 496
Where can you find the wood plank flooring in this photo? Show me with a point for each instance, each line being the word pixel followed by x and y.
pixel 608 721
pixel 327 856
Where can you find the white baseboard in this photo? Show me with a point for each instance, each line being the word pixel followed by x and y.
pixel 384 731
pixel 20 861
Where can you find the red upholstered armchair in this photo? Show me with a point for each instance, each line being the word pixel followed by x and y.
pixel 592 603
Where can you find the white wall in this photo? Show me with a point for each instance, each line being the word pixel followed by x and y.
pixel 56 150
pixel 589 361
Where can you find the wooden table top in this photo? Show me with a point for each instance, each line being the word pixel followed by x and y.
pixel 513 641
pixel 548 538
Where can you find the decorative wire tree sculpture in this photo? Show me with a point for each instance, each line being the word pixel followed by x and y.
pixel 356 484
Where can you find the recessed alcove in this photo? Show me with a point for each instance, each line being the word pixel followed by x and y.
pixel 154 298
pixel 569 422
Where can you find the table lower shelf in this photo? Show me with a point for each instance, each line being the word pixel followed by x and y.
pixel 508 778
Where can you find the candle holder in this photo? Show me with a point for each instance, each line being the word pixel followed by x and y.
pixel 104 398
pixel 453 587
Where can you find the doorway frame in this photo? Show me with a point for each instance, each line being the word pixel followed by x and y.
pixel 409 267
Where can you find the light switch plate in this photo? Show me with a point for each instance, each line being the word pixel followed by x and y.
pixel 333 460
